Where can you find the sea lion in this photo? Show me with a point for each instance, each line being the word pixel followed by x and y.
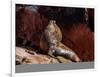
pixel 50 34
pixel 53 32
pixel 60 49
pixel 53 36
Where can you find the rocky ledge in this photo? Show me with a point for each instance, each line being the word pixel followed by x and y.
pixel 26 56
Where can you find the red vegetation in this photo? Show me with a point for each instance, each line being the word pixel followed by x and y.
pixel 81 40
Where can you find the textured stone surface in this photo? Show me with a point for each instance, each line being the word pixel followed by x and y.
pixel 25 56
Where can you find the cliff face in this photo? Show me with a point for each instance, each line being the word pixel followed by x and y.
pixel 76 34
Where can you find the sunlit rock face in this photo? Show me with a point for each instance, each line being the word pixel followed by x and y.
pixel 24 57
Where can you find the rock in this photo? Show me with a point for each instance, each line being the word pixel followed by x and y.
pixel 24 57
